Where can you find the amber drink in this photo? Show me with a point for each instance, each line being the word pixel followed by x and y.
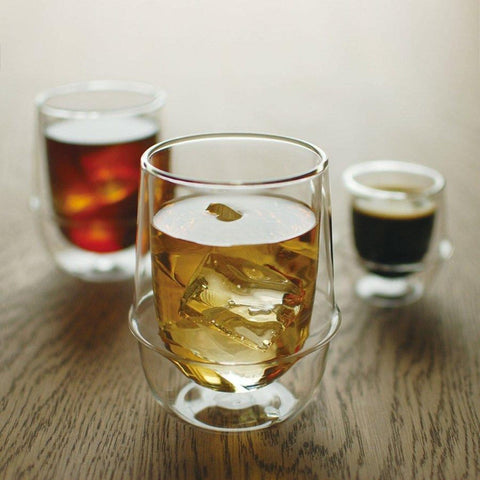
pixel 234 281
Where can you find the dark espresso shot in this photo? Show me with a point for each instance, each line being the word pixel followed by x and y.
pixel 392 239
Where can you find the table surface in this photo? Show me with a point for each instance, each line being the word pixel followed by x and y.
pixel 400 397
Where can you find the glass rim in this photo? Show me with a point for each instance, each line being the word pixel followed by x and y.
pixel 317 169
pixel 158 97
pixel 335 322
pixel 358 188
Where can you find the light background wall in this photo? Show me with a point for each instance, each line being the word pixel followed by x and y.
pixel 362 79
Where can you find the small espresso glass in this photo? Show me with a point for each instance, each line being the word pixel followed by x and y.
pixel 234 304
pixel 87 172
pixel 398 228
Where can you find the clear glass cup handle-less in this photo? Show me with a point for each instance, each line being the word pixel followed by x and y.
pixel 87 172
pixel 234 304
pixel 398 229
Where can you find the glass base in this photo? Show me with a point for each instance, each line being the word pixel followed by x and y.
pixel 231 411
pixel 97 267
pixel 389 292
pixel 234 412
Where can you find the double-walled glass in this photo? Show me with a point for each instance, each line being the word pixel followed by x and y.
pixel 87 173
pixel 234 303
pixel 398 229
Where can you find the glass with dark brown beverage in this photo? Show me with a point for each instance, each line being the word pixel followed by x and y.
pixel 92 137
pixel 234 305
pixel 397 228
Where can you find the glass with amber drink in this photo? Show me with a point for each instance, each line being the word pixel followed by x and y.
pixel 234 304
pixel 87 171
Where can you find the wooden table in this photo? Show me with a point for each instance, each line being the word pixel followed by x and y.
pixel 400 397
pixel 401 393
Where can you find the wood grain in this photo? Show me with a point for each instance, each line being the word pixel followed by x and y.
pixel 400 397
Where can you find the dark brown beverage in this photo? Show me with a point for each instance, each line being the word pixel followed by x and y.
pixel 94 169
pixel 392 234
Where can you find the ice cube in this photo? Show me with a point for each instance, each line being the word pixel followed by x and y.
pixel 251 303
pixel 75 200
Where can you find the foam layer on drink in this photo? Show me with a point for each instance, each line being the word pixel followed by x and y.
pixel 264 219
pixel 395 209
pixel 101 131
